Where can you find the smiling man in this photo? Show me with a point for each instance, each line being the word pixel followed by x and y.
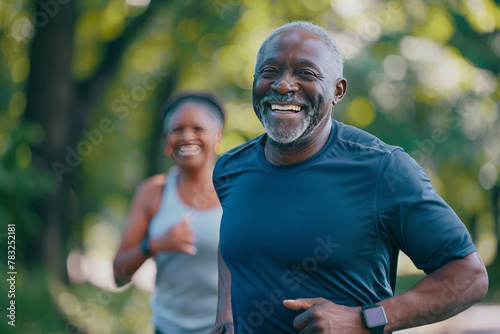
pixel 315 213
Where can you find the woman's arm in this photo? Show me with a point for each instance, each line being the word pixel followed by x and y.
pixel 144 205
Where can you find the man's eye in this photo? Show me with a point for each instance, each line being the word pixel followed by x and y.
pixel 307 73
pixel 176 129
pixel 268 71
pixel 198 128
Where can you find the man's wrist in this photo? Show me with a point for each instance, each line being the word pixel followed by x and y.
pixel 225 317
pixel 225 323
pixel 374 318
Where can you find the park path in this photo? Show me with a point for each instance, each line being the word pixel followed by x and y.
pixel 479 319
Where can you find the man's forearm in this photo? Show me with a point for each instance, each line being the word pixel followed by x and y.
pixel 443 293
pixel 224 311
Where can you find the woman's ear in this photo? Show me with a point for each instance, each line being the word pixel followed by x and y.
pixel 168 150
pixel 217 141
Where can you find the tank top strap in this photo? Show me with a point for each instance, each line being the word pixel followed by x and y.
pixel 170 188
pixel 169 211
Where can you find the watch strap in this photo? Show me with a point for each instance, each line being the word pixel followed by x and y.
pixel 378 330
pixel 145 247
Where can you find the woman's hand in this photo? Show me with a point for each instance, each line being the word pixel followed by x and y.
pixel 179 238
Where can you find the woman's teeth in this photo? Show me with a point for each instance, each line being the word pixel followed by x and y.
pixel 189 149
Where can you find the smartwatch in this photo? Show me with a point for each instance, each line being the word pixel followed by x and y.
pixel 374 318
pixel 145 247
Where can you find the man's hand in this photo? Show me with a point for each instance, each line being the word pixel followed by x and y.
pixel 225 327
pixel 324 316
pixel 179 238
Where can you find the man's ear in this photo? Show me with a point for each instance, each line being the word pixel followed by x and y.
pixel 340 89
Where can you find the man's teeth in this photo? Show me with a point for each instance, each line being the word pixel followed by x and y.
pixel 285 108
pixel 189 149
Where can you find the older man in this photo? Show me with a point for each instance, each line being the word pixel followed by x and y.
pixel 315 213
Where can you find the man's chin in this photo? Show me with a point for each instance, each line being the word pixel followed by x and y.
pixel 286 133
pixel 282 140
pixel 283 130
pixel 286 142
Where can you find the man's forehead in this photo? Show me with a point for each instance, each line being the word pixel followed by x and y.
pixel 297 35
pixel 308 44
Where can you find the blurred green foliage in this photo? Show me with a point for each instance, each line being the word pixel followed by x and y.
pixel 422 74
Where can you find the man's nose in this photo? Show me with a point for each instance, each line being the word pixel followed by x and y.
pixel 285 83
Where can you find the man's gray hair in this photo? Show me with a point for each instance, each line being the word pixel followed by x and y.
pixel 335 59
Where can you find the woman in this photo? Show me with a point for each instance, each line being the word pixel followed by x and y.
pixel 176 218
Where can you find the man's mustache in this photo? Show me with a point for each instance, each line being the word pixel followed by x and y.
pixel 288 97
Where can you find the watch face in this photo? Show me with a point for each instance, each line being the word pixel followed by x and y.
pixel 375 317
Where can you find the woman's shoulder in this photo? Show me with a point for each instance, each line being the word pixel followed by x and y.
pixel 150 190
pixel 152 183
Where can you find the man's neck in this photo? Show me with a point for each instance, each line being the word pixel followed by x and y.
pixel 278 156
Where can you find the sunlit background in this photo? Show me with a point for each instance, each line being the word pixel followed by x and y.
pixel 82 82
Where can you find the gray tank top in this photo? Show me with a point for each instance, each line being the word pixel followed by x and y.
pixel 185 295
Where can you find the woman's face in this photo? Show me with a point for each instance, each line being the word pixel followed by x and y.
pixel 192 135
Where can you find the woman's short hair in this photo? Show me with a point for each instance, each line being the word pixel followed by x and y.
pixel 208 100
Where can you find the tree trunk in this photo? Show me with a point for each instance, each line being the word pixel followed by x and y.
pixel 63 107
pixel 50 93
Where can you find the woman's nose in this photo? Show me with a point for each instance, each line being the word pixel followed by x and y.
pixel 187 134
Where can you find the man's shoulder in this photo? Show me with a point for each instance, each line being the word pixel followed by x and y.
pixel 362 141
pixel 240 155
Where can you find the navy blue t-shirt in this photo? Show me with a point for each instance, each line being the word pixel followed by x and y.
pixel 330 226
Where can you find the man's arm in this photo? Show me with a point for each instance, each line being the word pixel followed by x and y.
pixel 224 320
pixel 442 294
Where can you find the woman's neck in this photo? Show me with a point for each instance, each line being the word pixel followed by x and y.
pixel 196 188
pixel 195 177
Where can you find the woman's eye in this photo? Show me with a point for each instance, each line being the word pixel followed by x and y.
pixel 198 128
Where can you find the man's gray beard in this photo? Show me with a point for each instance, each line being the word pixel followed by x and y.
pixel 293 139
pixel 282 136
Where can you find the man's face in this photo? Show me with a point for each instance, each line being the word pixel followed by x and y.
pixel 293 88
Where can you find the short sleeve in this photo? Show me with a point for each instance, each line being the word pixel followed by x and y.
pixel 415 218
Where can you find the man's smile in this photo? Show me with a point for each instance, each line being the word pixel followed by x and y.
pixel 287 108
pixel 284 110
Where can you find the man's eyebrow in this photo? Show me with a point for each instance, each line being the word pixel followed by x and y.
pixel 276 61
pixel 271 60
pixel 307 62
